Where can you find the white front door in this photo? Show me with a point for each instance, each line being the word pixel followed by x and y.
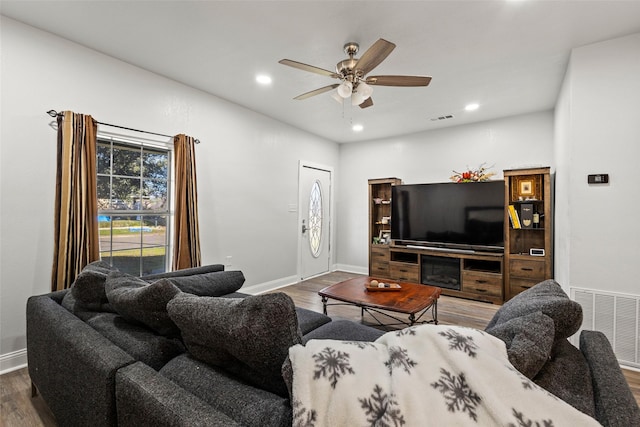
pixel 314 222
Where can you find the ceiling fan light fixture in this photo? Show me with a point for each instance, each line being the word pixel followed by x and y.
pixel 365 90
pixel 345 89
pixel 357 98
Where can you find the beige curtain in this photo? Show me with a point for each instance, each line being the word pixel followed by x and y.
pixel 186 248
pixel 76 205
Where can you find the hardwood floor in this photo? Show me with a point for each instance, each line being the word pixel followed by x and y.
pixel 451 311
pixel 19 409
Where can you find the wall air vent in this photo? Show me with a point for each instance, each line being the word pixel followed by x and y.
pixel 615 315
pixel 447 117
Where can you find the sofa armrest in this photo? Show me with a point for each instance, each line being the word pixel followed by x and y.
pixel 144 397
pixel 185 272
pixel 71 364
pixel 614 402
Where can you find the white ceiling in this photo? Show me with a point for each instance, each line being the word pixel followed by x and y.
pixel 508 56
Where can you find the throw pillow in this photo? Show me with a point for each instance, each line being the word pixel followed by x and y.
pixel 549 298
pixel 248 337
pixel 529 340
pixel 88 288
pixel 138 301
pixel 213 284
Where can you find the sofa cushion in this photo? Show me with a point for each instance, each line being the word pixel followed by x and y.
pixel 249 337
pixel 549 298
pixel 146 398
pixel 80 310
pixel 137 340
pixel 138 301
pixel 529 340
pixel 345 330
pixel 567 376
pixel 213 284
pixel 309 320
pixel 88 288
pixel 184 272
pixel 242 402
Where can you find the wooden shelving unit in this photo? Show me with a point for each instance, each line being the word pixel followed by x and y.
pixel 528 189
pixel 380 222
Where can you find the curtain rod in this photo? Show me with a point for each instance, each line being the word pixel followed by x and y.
pixel 54 113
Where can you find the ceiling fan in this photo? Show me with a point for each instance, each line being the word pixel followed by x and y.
pixel 353 72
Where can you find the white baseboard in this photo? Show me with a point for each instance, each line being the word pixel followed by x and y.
pixel 351 269
pixel 13 361
pixel 268 286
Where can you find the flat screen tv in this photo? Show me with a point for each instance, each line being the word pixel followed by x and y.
pixel 467 216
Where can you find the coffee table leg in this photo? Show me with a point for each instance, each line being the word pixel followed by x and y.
pixel 435 312
pixel 324 305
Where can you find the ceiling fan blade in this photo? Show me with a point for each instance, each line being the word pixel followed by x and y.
pixel 367 103
pixel 374 55
pixel 309 68
pixel 316 92
pixel 399 80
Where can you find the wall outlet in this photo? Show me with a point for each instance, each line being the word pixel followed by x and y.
pixel 227 262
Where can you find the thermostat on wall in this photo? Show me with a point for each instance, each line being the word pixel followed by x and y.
pixel 601 178
pixel 536 252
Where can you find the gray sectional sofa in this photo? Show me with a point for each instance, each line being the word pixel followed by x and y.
pixel 115 350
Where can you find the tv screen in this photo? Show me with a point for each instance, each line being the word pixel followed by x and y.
pixel 465 216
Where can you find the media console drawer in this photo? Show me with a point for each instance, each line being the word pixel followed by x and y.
pixel 380 253
pixel 404 272
pixel 527 269
pixel 379 266
pixel 482 283
pixel 521 285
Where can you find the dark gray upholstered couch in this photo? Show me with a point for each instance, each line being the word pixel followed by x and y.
pixel 96 364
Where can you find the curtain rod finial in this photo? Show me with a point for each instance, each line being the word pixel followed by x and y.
pixel 52 113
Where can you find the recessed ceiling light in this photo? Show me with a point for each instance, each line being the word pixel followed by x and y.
pixel 357 128
pixel 471 107
pixel 263 79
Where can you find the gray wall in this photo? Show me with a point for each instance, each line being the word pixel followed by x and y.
pixel 431 157
pixel 598 131
pixel 247 165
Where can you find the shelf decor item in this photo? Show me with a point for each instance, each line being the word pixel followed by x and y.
pixel 473 175
pixel 526 187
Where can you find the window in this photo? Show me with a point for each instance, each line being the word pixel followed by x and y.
pixel 134 205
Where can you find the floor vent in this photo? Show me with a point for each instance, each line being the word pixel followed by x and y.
pixel 615 315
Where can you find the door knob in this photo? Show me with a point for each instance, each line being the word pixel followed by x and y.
pixel 304 227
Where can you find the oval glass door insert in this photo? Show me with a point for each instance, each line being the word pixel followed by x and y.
pixel 315 219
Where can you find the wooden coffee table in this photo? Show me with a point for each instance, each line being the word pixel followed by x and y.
pixel 412 299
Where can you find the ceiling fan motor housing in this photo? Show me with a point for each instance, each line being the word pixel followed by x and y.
pixel 346 68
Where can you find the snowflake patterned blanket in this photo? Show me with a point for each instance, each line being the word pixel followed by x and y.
pixel 420 376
